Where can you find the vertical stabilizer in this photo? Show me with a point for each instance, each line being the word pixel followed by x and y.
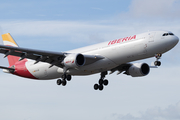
pixel 9 41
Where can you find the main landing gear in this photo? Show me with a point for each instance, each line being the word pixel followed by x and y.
pixel 157 62
pixel 102 82
pixel 64 80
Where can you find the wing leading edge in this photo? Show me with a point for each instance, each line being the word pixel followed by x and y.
pixel 53 58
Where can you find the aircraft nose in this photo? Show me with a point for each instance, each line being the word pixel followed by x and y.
pixel 171 42
pixel 175 40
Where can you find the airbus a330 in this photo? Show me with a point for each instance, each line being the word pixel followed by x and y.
pixel 103 58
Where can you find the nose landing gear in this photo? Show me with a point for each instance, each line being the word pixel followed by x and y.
pixel 157 62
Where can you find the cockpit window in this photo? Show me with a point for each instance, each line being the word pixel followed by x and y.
pixel 166 34
pixel 171 34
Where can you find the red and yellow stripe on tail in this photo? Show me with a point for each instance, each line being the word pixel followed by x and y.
pixel 9 41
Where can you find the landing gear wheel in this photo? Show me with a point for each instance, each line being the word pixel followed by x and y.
pixel 59 82
pixel 96 87
pixel 101 87
pixel 157 63
pixel 101 81
pixel 68 77
pixel 64 82
pixel 106 82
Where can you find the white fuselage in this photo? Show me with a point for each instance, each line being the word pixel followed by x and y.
pixel 115 53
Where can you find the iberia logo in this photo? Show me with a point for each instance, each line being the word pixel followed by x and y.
pixel 73 61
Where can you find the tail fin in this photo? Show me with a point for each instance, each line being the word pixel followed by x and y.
pixel 9 41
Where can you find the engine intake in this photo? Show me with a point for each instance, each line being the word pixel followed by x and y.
pixel 139 69
pixel 74 60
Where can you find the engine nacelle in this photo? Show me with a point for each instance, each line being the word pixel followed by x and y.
pixel 74 60
pixel 139 69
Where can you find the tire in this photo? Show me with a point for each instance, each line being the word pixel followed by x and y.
pixel 156 63
pixel 106 82
pixel 101 87
pixel 96 87
pixel 159 63
pixel 101 81
pixel 64 82
pixel 59 82
pixel 68 77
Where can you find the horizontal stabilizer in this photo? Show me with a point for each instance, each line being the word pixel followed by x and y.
pixel 6 69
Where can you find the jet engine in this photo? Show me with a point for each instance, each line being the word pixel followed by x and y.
pixel 74 60
pixel 138 69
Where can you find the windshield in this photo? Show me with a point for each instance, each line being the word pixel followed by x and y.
pixel 166 34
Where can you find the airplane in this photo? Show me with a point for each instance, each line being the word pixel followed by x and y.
pixel 110 56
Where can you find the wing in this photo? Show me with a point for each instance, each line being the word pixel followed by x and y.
pixel 53 58
pixel 9 69
pixel 121 68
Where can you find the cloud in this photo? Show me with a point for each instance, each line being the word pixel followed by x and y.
pixel 80 30
pixel 154 8
pixel 84 30
pixel 172 112
pixel 141 17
